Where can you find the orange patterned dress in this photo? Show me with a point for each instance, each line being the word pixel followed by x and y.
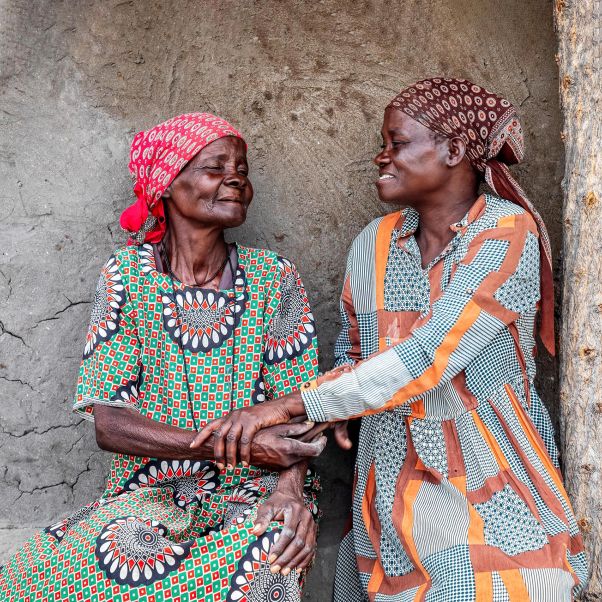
pixel 458 496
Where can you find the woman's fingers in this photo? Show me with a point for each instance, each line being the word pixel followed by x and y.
pixel 296 545
pixel 219 445
pixel 266 513
pixel 246 438
pixel 296 429
pixel 341 435
pixel 304 557
pixel 308 450
pixel 206 432
pixel 289 528
pixel 232 444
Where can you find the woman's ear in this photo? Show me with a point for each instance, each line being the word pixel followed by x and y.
pixel 167 194
pixel 456 151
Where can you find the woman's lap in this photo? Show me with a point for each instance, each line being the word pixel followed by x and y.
pixel 141 546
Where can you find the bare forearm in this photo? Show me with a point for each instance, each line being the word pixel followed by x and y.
pixel 126 431
pixel 292 479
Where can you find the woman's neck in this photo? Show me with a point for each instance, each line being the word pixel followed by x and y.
pixel 196 255
pixel 434 232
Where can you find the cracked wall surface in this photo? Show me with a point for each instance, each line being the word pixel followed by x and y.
pixel 306 82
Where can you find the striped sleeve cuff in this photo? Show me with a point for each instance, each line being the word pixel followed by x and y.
pixel 313 405
pixel 352 392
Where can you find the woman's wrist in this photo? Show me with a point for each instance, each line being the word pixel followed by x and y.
pixel 293 403
pixel 292 480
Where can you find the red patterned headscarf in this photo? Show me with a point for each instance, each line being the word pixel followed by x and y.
pixel 491 129
pixel 157 156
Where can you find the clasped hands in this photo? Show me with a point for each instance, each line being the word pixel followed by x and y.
pixel 274 434
pixel 270 434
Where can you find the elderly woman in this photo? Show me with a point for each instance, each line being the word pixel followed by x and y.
pixel 185 328
pixel 458 495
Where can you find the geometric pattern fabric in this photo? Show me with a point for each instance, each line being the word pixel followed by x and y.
pixel 176 530
pixel 464 483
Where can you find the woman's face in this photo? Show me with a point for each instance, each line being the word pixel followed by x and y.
pixel 214 188
pixel 412 163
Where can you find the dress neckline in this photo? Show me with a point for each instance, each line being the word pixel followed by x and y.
pixel 152 253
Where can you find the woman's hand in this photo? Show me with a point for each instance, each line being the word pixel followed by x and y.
pixel 233 434
pixel 341 435
pixel 296 545
pixel 275 447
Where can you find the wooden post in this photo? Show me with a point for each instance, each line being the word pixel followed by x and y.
pixel 578 25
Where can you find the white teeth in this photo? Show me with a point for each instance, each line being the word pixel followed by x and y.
pixel 385 176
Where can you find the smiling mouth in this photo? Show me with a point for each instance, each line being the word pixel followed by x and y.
pixel 385 176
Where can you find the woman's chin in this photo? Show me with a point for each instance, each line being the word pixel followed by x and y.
pixel 390 199
pixel 389 194
pixel 235 218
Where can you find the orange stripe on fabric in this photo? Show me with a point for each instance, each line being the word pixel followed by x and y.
pixel 491 442
pixel 537 444
pixel 432 376
pixel 383 240
pixel 476 527
pixel 409 497
pixel 483 587
pixel 376 579
pixel 507 221
pixel 515 585
pixel 369 494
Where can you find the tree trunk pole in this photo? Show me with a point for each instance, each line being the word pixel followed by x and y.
pixel 578 26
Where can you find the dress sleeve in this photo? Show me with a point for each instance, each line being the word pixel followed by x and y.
pixel 290 355
pixel 496 280
pixel 347 349
pixel 110 369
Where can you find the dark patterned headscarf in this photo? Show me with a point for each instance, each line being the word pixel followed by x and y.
pixel 491 129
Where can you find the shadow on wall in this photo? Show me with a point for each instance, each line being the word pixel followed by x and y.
pixel 306 83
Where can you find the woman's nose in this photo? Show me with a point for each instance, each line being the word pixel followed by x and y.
pixel 382 158
pixel 234 179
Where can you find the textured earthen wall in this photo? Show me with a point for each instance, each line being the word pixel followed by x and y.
pixel 306 82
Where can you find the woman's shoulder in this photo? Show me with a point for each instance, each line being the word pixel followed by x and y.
pixel 128 257
pixel 367 235
pixel 129 262
pixel 497 218
pixel 264 261
pixel 498 212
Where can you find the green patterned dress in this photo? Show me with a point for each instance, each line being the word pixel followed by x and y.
pixel 177 529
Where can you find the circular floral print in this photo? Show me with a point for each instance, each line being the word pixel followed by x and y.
pixel 268 482
pixel 127 394
pixel 292 327
pixel 135 552
pixel 253 581
pixel 147 258
pixel 190 481
pixel 241 504
pixel 106 308
pixel 59 529
pixel 258 395
pixel 202 319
